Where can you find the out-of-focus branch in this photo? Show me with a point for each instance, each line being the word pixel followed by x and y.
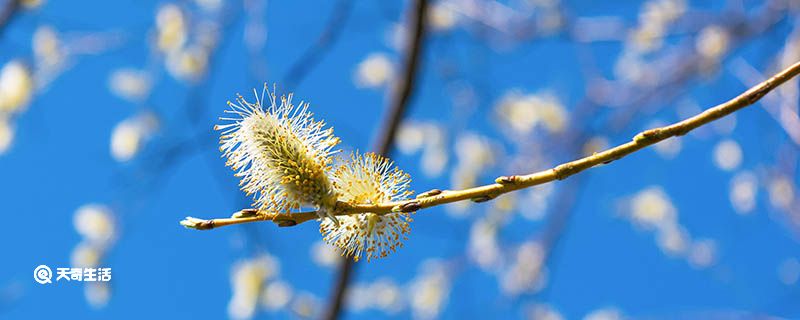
pixel 678 68
pixel 401 96
pixel 328 37
pixel 507 184
pixel 7 12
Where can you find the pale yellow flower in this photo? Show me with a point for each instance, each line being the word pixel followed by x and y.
pixel 130 134
pixel 247 282
pixel 95 223
pixel 281 154
pixel 16 86
pixel 369 178
pixel 171 28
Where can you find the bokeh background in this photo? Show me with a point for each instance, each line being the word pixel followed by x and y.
pixel 106 143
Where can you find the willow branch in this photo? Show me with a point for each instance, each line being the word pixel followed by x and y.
pixel 507 184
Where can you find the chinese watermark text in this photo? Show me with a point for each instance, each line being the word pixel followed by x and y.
pixel 43 274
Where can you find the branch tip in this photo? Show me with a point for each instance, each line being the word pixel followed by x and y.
pixel 197 224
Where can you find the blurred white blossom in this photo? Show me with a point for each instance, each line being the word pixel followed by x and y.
pixel 652 208
pixel 433 161
pixel 743 191
pixel 430 290
pixel 170 28
pixel 32 4
pixel 703 253
pixel 442 16
pixel 540 311
pixel 383 295
pixel 129 135
pixel 535 201
pixel 430 138
pixel 712 42
pixel 594 145
pixel 521 113
pixel 16 86
pixel 306 305
pixel 608 313
pixel 727 155
pixel 188 64
pixel 247 282
pixel 47 47
pixel 474 151
pixel 483 247
pixel 474 154
pixel 325 255
pixel 410 137
pixel 632 68
pixel 97 293
pixel 276 295
pixel 781 192
pixel 396 36
pixel 789 271
pixel 654 19
pixel 375 71
pixel 673 239
pixel 6 134
pixel 388 296
pixel 526 273
pixel 669 148
pixel 95 223
pixel 85 255
pixel 130 84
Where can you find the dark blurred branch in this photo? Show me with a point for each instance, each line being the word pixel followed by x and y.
pixel 298 71
pixel 7 12
pixel 399 103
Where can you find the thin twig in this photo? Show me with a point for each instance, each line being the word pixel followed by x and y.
pixel 507 184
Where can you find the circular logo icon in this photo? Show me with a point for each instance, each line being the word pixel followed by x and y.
pixel 42 274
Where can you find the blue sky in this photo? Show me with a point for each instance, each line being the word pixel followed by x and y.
pixel 60 160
